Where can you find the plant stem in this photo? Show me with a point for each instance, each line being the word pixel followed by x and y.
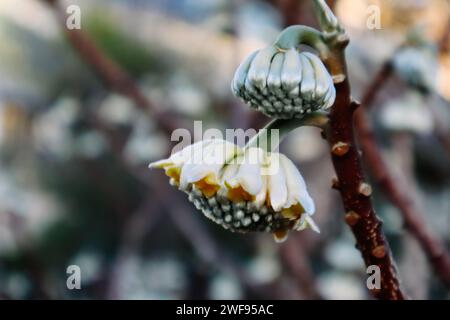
pixel 269 137
pixel 355 192
pixel 293 36
pixel 360 214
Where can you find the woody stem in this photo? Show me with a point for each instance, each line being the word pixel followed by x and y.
pixel 354 191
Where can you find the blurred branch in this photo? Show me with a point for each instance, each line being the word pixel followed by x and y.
pixel 31 262
pixel 296 258
pixel 134 232
pixel 295 11
pixel 444 42
pixel 441 131
pixel 373 88
pixel 111 73
pixel 414 221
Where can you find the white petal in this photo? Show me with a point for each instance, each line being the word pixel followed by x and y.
pixel 306 222
pixel 209 162
pixel 182 156
pixel 308 84
pixel 249 174
pixel 194 166
pixel 190 153
pixel 260 198
pixel 297 191
pixel 274 77
pixel 322 75
pixel 241 73
pixel 161 163
pixel 259 69
pixel 229 171
pixel 292 70
pixel 310 223
pixel 277 183
pixel 221 152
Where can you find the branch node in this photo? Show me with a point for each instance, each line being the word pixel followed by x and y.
pixel 379 251
pixel 339 78
pixel 355 105
pixel 340 148
pixel 365 189
pixel 335 183
pixel 352 218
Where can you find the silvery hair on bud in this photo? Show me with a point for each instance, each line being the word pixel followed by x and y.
pixel 284 83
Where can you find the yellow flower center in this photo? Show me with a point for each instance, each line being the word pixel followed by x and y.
pixel 208 186
pixel 293 212
pixel 238 194
pixel 174 172
pixel 280 235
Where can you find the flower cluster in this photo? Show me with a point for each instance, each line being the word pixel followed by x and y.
pixel 252 189
pixel 242 190
pixel 417 67
pixel 284 83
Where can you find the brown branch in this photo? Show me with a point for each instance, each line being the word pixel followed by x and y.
pixel 377 82
pixel 110 73
pixel 354 191
pixel 360 213
pixel 414 221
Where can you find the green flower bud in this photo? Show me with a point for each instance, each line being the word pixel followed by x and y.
pixel 284 83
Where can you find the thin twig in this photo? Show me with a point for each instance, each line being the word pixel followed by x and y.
pixel 444 42
pixel 296 259
pixel 111 74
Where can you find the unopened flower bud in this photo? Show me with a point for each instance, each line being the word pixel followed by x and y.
pixel 284 83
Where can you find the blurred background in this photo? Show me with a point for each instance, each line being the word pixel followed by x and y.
pixel 77 133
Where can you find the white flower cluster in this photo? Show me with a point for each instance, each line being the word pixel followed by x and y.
pixel 417 67
pixel 242 189
pixel 284 83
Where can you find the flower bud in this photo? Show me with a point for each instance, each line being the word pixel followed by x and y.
pixel 242 190
pixel 284 83
pixel 417 67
